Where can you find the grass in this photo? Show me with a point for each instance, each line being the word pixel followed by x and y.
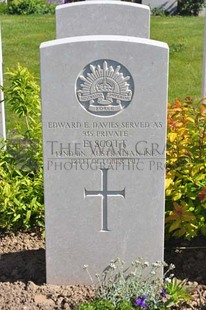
pixel 185 37
pixel 21 38
pixel 22 35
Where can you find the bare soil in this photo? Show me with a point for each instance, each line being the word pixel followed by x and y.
pixel 23 275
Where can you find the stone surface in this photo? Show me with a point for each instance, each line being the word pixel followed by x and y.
pixel 2 111
pixel 104 129
pixel 102 18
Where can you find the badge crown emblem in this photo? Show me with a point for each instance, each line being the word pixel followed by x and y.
pixel 104 86
pixel 104 89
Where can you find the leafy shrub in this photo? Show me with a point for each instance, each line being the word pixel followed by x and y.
pixel 190 7
pixel 26 7
pixel 21 176
pixel 3 8
pixel 186 169
pixel 159 12
pixel 136 286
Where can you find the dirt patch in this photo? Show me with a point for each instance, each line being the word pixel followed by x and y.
pixel 23 274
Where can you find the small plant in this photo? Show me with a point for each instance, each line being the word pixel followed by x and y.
pixel 159 12
pixel 186 169
pixel 21 172
pixel 97 305
pixel 136 287
pixel 176 293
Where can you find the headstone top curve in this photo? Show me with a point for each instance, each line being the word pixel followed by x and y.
pixel 102 2
pixel 102 18
pixel 115 38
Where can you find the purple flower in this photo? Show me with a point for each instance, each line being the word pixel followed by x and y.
pixel 163 293
pixel 140 302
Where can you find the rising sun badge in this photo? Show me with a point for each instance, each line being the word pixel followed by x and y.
pixel 104 88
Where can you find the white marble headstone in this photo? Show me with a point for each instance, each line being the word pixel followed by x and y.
pixel 102 18
pixel 104 129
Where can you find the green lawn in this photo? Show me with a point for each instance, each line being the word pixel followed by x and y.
pixel 21 38
pixel 185 37
pixel 22 35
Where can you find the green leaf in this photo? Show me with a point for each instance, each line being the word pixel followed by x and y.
pixel 175 225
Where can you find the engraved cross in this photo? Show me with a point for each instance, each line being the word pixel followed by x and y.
pixel 104 193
